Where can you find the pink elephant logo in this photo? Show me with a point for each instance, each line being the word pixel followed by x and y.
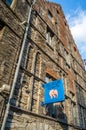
pixel 53 93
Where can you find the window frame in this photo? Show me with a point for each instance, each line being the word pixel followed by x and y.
pixel 49 37
pixel 50 16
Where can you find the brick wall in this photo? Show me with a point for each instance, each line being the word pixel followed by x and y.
pixel 58 60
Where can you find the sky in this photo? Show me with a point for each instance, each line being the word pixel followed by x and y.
pixel 75 12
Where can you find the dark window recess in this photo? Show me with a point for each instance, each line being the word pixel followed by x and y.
pixel 49 37
pixel 57 12
pixel 50 15
pixel 8 2
pixel 49 110
pixel 75 49
pixel 1 25
pixel 49 78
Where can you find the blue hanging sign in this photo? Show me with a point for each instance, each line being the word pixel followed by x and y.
pixel 53 92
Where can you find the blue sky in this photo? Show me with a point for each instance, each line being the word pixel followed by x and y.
pixel 75 12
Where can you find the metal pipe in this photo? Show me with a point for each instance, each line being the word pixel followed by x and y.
pixel 17 69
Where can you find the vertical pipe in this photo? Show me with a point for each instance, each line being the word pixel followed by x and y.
pixel 17 69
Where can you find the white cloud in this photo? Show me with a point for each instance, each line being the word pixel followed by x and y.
pixel 77 23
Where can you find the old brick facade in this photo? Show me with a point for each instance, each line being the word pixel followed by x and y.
pixel 50 53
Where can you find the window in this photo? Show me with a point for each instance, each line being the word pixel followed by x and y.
pixel 2 25
pixel 49 37
pixel 51 18
pixel 49 15
pixel 54 110
pixel 81 109
pixel 49 108
pixel 57 12
pixel 75 49
pixel 49 78
pixel 67 58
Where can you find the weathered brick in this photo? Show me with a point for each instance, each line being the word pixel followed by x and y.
pixel 40 59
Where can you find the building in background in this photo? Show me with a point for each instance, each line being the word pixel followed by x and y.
pixel 49 53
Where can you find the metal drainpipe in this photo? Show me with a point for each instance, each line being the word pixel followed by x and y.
pixel 17 69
